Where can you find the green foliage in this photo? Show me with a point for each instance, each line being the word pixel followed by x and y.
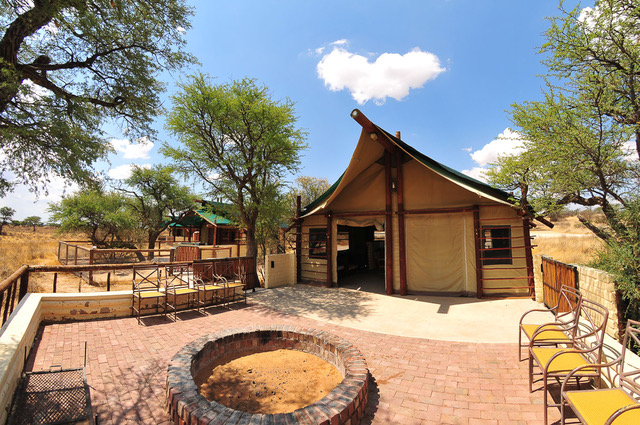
pixel 236 140
pixel 5 216
pixel 103 217
pixel 67 67
pixel 621 258
pixel 309 189
pixel 582 141
pixel 155 199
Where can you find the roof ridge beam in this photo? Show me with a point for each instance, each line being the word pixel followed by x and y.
pixel 372 129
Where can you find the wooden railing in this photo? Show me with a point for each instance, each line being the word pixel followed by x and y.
pixel 14 288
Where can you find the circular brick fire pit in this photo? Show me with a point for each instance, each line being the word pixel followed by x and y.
pixel 345 404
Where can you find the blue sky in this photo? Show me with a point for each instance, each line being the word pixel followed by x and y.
pixel 443 72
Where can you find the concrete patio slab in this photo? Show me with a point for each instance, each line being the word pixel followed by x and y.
pixel 463 319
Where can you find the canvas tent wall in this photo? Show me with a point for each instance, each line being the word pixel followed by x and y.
pixel 444 232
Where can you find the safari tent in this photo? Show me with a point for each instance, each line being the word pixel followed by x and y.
pixel 424 226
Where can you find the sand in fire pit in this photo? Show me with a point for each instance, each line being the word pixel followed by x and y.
pixel 279 381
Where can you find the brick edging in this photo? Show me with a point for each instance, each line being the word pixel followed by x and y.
pixel 344 405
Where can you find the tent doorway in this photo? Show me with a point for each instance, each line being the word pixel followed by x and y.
pixel 360 258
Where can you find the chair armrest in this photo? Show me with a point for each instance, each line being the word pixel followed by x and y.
pixel 536 310
pixel 541 329
pixel 621 412
pixel 570 351
pixel 585 366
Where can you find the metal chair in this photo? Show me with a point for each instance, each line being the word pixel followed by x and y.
pixel 561 330
pixel 177 279
pixel 206 281
pixel 611 406
pixel 146 286
pixel 585 350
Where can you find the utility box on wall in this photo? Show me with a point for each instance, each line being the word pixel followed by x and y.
pixel 280 270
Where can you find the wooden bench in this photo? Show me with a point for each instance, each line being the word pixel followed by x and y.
pixel 585 350
pixel 608 406
pixel 561 330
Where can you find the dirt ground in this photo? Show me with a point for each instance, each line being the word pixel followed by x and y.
pixel 279 381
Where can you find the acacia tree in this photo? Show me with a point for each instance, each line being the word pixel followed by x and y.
pixel 67 66
pixel 309 189
pixel 5 215
pixel 156 199
pixel 102 216
pixel 582 141
pixel 238 141
pixel 33 221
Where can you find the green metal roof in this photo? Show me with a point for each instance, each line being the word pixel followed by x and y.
pixel 212 217
pixel 211 212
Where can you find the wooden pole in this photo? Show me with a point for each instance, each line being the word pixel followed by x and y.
pixel 298 239
pixel 108 282
pixel 24 285
pixel 477 232
pixel 329 256
pixel 401 224
pixel 388 226
pixel 55 282
pixel 91 264
pixel 529 255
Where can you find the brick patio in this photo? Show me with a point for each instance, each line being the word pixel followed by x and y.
pixel 414 381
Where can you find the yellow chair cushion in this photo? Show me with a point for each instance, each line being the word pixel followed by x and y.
pixel 212 287
pixel 551 333
pixel 182 291
pixel 562 364
pixel 595 407
pixel 149 294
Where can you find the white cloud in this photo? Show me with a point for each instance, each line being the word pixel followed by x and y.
pixel 477 173
pixel 27 204
pixel 508 143
pixel 122 172
pixel 341 42
pixel 138 150
pixel 469 149
pixel 630 152
pixel 391 75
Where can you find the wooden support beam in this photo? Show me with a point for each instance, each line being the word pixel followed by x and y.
pixel 529 255
pixel 477 233
pixel 388 226
pixel 401 228
pixel 298 240
pixel 373 131
pixel 329 247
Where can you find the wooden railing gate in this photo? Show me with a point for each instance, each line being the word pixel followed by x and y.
pixel 554 275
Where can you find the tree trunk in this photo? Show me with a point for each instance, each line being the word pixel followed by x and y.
pixel 153 237
pixel 252 247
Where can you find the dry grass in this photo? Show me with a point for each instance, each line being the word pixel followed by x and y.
pixel 20 245
pixel 569 241
pixel 568 249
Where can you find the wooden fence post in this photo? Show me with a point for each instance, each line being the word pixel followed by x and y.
pixel 91 263
pixel 24 284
